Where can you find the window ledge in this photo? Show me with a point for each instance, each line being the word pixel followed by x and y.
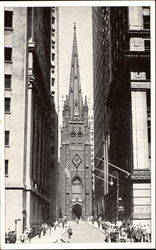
pixel 8 89
pixel 6 175
pixel 6 61
pixel 8 29
pixel 7 146
pixel 8 112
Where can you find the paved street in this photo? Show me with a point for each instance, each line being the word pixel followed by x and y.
pixel 49 238
pixel 84 233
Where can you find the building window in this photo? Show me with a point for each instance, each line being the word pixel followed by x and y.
pixel 53 44
pixel 52 150
pixel 76 188
pixel 53 81
pixel 6 167
pixel 53 32
pixel 149 121
pixel 80 134
pixel 146 22
pixel 53 56
pixel 7 137
pixel 8 54
pixel 53 137
pixel 53 69
pixel 7 104
pixel 72 133
pixel 148 74
pixel 53 9
pixel 147 44
pixel 7 81
pixel 8 19
pixel 53 20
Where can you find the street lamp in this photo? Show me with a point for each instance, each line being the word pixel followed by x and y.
pixel 116 174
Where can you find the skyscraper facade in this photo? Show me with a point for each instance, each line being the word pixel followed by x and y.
pixel 29 115
pixel 75 151
pixel 121 50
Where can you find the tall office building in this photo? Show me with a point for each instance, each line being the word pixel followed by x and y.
pixel 54 91
pixel 29 115
pixel 121 51
pixel 75 152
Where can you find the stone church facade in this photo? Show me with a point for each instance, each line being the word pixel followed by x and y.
pixel 75 151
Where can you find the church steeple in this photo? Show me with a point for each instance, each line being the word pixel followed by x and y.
pixel 75 95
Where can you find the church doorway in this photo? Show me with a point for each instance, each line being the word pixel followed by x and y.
pixel 76 211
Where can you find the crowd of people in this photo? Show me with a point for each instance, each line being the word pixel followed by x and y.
pixel 122 232
pixel 119 232
pixel 25 237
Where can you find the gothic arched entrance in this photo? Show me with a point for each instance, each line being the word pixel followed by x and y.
pixel 76 211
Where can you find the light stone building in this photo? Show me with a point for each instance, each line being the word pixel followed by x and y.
pixel 29 119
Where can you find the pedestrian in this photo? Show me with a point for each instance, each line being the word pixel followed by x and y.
pixel 44 229
pixel 99 222
pixel 12 237
pixel 55 224
pixel 39 232
pixel 148 230
pixel 63 222
pixel 77 220
pixel 92 220
pixel 144 233
pixel 116 234
pixel 69 231
pixel 137 234
pixel 22 237
pixel 112 235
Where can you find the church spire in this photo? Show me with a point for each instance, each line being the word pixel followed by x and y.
pixel 75 95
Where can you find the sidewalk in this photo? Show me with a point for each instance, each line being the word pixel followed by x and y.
pixel 55 234
pixel 95 225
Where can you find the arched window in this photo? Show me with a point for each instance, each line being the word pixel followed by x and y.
pixel 76 189
pixel 80 134
pixel 73 133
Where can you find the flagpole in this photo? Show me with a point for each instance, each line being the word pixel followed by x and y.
pixel 106 173
pixel 114 166
pixel 111 183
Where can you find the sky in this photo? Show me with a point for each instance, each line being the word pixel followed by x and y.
pixel 83 18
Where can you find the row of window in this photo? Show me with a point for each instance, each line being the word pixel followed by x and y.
pixel 8 19
pixel 8 57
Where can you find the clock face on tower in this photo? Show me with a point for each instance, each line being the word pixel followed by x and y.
pixel 76 160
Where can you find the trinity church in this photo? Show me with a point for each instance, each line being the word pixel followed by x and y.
pixel 75 151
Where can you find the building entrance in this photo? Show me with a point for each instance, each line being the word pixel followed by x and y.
pixel 76 211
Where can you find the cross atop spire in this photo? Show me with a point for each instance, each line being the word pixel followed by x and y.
pixel 75 95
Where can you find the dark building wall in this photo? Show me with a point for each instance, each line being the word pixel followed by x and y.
pixel 128 53
pixel 101 78
pixel 39 20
